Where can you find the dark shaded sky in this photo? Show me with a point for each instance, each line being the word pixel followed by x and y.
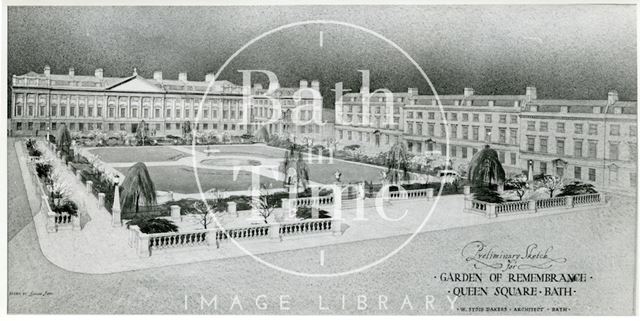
pixel 565 51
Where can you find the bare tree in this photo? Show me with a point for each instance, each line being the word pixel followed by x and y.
pixel 519 184
pixel 266 203
pixel 549 182
pixel 207 212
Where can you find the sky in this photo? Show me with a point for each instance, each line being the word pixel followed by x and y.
pixel 568 51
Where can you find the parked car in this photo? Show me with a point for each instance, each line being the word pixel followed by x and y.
pixel 448 176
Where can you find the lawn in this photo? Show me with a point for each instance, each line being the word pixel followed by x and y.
pixel 181 179
pixel 351 173
pixel 262 151
pixel 138 154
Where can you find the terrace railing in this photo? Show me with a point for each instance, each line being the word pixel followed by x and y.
pixel 587 199
pixel 512 207
pixel 532 206
pixel 251 232
pixel 146 244
pixel 551 202
pixel 410 194
pixel 306 226
pixel 317 201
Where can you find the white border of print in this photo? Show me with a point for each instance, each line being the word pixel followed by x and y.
pixel 3 137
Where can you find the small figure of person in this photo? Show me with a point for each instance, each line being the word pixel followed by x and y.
pixel 338 175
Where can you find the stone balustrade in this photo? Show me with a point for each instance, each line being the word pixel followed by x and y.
pixel 511 207
pixel 551 202
pixel 146 244
pixel 411 194
pixel 309 201
pixel 532 206
pixel 588 199
pixel 306 226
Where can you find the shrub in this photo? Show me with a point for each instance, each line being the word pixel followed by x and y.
pixel 352 147
pixel 487 195
pixel 153 225
pixel 577 188
pixel 66 206
pixel 34 153
pixel 43 169
pixel 304 213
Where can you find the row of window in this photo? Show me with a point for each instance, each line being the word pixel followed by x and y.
pixel 578 128
pixel 81 126
pixel 578 151
pixel 475 131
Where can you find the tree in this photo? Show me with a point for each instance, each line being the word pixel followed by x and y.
pixel 519 184
pixel 265 203
pixel 142 132
pixel 485 168
pixel 485 194
pixel 295 169
pixel 137 189
pixel 549 182
pixel 577 188
pixel 397 163
pixel 262 134
pixel 63 139
pixel 206 211
pixel 154 225
pixel 186 130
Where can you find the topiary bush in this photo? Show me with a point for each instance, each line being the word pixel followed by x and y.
pixel 487 195
pixel 304 213
pixel 577 188
pixel 153 225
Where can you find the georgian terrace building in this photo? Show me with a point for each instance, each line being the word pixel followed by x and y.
pixel 110 104
pixel 589 140
pixel 593 141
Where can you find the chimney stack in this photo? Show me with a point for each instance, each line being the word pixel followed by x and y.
pixel 532 93
pixel 304 84
pixel 72 72
pixel 99 73
pixel 257 86
pixel 209 77
pixel 468 92
pixel 157 75
pixel 182 76
pixel 47 70
pixel 315 84
pixel 412 91
pixel 613 97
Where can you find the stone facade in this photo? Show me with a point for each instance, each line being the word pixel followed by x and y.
pixel 521 128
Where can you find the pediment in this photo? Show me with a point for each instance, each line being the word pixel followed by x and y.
pixel 136 84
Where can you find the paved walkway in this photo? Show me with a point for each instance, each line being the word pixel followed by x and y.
pixel 99 248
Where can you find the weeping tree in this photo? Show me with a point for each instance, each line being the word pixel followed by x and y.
pixel 295 169
pixel 302 169
pixel 397 163
pixel 142 132
pixel 186 130
pixel 137 189
pixel 485 168
pixel 262 134
pixel 63 139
